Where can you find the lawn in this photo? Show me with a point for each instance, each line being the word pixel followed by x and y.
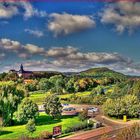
pixel 86 93
pixel 43 123
pixel 39 97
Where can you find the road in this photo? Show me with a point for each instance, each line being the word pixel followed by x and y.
pixel 110 129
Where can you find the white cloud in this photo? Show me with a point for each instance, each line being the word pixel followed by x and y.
pixel 10 44
pixel 36 33
pixel 68 23
pixel 33 49
pixel 61 51
pixel 124 15
pixel 23 55
pixel 22 50
pixel 31 11
pixel 70 57
pixel 8 11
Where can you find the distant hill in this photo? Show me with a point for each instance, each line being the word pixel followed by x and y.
pixel 102 72
pixel 45 74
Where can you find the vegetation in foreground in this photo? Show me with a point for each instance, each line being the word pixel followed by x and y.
pixel 43 123
pixel 130 133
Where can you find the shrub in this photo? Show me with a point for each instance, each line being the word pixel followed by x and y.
pixel 83 115
pixel 30 126
pixel 46 135
pixel 64 99
pixel 80 126
pixel 99 99
pixel 129 133
pixel 24 137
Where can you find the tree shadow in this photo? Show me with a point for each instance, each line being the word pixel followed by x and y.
pixel 44 119
pixel 2 132
pixel 68 116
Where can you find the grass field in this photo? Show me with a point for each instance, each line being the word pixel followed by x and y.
pixel 43 123
pixel 40 97
pixel 86 93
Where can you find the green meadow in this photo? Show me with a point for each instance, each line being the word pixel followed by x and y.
pixel 43 123
pixel 40 97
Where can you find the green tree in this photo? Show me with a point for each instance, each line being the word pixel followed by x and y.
pixel 131 105
pixel 27 110
pixel 53 106
pixel 70 85
pixel 136 89
pixel 128 105
pixel 100 90
pixel 10 97
pixel 2 76
pixel 45 84
pixel 30 126
pixel 58 84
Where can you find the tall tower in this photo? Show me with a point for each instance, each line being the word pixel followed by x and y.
pixel 21 68
pixel 21 71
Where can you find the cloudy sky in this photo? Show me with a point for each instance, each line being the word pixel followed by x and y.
pixel 70 36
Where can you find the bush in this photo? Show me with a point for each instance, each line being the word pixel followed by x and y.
pixel 99 99
pixel 80 100
pixel 24 137
pixel 30 126
pixel 80 126
pixel 129 133
pixel 46 135
pixel 64 99
pixel 83 115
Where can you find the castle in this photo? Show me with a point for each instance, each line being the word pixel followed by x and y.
pixel 22 73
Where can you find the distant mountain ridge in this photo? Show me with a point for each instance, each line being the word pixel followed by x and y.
pixel 102 72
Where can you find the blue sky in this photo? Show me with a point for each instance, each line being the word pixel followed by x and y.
pixel 70 36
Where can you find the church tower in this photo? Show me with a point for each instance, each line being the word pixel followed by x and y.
pixel 21 71
pixel 21 68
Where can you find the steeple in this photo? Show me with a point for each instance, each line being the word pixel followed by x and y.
pixel 21 68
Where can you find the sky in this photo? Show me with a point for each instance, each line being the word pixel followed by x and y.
pixel 70 36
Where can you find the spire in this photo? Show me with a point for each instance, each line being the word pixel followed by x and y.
pixel 21 68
